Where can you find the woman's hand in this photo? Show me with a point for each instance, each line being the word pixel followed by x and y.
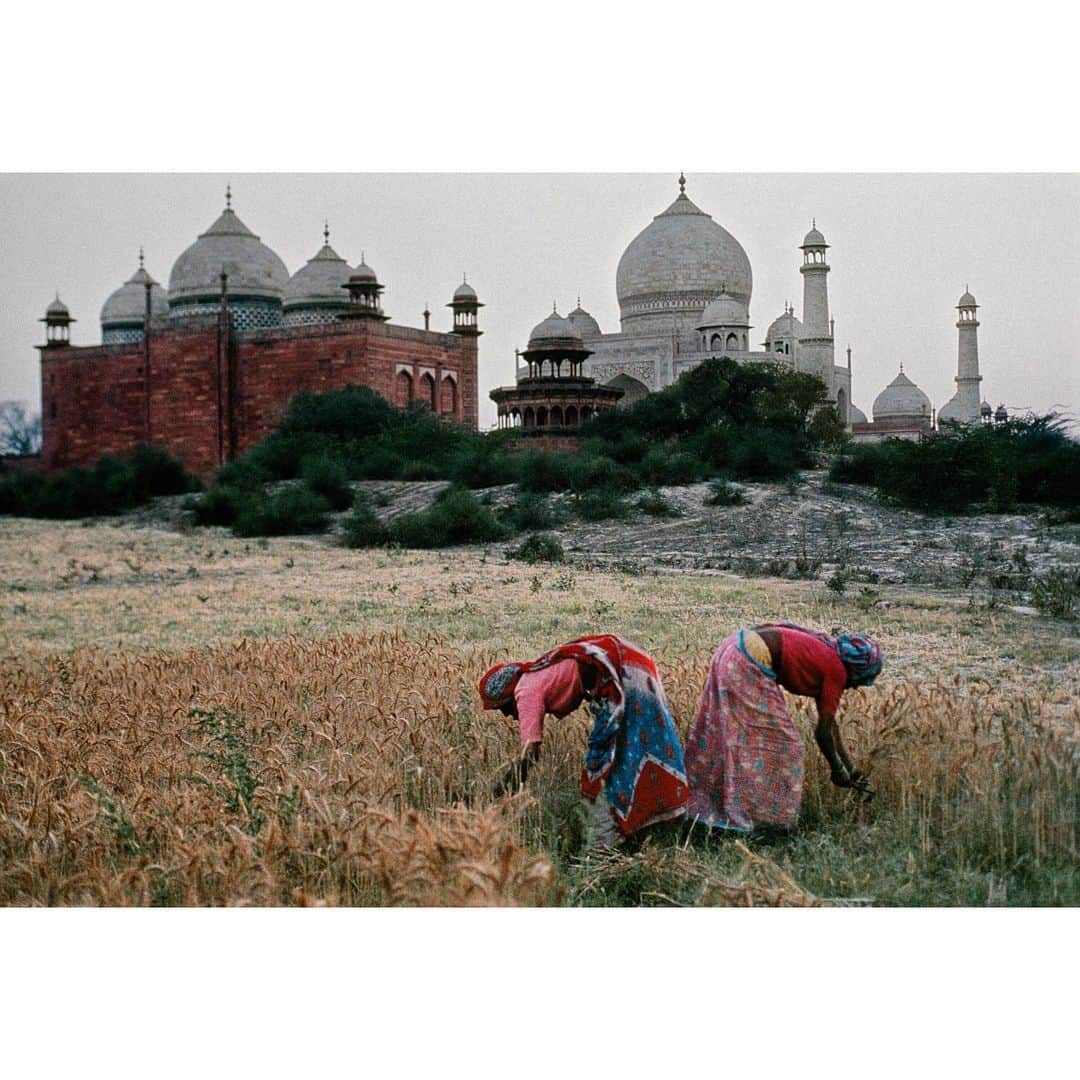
pixel 854 779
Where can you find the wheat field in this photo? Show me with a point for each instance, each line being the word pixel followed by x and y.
pixel 298 725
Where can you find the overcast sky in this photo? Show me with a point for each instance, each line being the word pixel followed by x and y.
pixel 903 247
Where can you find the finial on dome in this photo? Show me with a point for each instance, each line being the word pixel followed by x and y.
pixel 554 307
pixel 813 223
pixel 326 231
pixel 140 257
pixel 228 196
pixel 363 256
pixel 901 367
pixel 464 278
pixel 579 299
pixel 682 183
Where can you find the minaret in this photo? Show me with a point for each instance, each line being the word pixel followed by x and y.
pixel 57 322
pixel 967 361
pixel 816 346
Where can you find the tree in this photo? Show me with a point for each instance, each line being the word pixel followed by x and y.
pixel 20 430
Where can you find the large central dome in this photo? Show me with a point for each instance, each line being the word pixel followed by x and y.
pixel 675 266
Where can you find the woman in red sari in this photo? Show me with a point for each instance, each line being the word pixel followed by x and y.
pixel 744 754
pixel 633 757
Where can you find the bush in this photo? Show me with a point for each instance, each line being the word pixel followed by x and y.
pixel 1057 594
pixel 724 493
pixel 456 517
pixel 221 505
pixel 534 512
pixel 542 471
pixel 657 505
pixel 362 528
pixel 991 467
pixel 326 476
pixel 111 486
pixel 289 512
pixel 600 505
pixel 538 548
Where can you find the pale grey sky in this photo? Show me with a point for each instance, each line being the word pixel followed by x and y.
pixel 903 248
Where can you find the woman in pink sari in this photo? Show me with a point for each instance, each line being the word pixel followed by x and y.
pixel 744 754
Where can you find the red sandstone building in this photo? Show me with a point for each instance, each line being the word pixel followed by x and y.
pixel 207 369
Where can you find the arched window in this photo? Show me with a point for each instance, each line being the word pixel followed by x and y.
pixel 541 417
pixel 402 389
pixel 633 389
pixel 426 395
pixel 556 416
pixel 732 342
pixel 779 347
pixel 528 419
pixel 448 402
pixel 841 404
pixel 716 342
pixel 571 416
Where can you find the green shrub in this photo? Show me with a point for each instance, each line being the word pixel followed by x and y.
pixel 221 505
pixel 989 466
pixel 600 505
pixel 362 528
pixel 326 476
pixel 538 548
pixel 111 486
pixel 291 511
pixel 724 493
pixel 456 517
pixel 542 471
pixel 656 504
pixel 1057 594
pixel 533 512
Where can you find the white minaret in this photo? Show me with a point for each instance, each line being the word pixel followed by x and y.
pixel 967 360
pixel 816 345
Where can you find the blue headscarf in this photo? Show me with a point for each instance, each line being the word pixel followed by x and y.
pixel 861 656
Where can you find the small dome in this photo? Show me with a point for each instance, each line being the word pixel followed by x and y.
pixel 363 273
pixel 554 330
pixel 967 300
pixel 127 305
pixel 950 410
pixel 725 310
pixel 855 414
pixel 784 326
pixel 465 292
pixel 901 400
pixel 583 322
pixel 814 238
pixel 57 307
pixel 254 269
pixel 986 409
pixel 319 281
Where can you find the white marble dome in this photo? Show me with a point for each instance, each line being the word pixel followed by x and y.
pixel 901 400
pixel 785 326
pixel 57 307
pixel 554 330
pixel 855 414
pixel 465 293
pixel 725 310
pixel 317 290
pixel 814 238
pixel 126 306
pixel 363 272
pixel 676 265
pixel 583 322
pixel 254 270
pixel 967 300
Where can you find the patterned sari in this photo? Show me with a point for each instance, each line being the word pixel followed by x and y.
pixel 633 753
pixel 744 754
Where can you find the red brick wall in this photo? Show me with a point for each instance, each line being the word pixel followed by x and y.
pixel 207 395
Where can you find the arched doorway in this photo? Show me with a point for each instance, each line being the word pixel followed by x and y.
pixel 448 402
pixel 633 389
pixel 427 391
pixel 402 389
pixel 841 404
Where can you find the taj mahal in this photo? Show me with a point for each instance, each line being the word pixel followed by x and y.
pixel 684 286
